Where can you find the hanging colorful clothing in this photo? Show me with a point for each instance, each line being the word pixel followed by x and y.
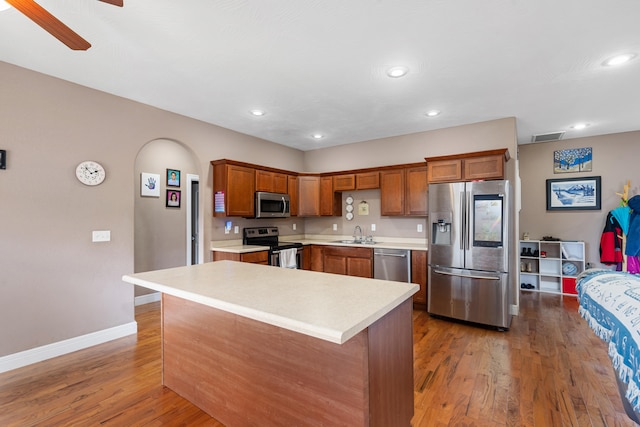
pixel 611 242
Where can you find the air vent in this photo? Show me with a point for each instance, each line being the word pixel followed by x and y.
pixel 545 137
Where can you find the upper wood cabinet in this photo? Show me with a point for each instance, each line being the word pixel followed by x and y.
pixel 345 182
pixel 274 182
pixel 403 191
pixel 367 180
pixel 415 198
pixel 308 195
pixel 233 189
pixel 330 201
pixel 467 167
pixel 392 192
pixel 356 181
pixel 292 190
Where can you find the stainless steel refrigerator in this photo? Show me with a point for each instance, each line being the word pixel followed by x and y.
pixel 469 229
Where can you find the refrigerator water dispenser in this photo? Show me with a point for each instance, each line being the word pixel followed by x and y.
pixel 441 228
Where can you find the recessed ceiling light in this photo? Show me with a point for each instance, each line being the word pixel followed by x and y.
pixel 619 59
pixel 432 113
pixel 4 5
pixel 579 126
pixel 317 136
pixel 258 112
pixel 398 71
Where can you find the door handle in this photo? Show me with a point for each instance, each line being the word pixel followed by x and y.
pixel 470 276
pixel 395 255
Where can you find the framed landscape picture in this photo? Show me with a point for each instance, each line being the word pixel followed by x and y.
pixel 572 160
pixel 573 194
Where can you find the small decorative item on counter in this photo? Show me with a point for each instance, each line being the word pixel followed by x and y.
pixel 525 236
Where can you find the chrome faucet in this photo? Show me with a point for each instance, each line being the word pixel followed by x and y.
pixel 357 230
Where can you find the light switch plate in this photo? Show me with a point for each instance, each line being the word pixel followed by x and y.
pixel 236 229
pixel 335 227
pixel 373 227
pixel 101 236
pixel 419 228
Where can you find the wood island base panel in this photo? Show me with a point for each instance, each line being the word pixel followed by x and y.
pixel 247 373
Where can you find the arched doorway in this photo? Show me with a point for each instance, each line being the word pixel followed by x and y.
pixel 167 216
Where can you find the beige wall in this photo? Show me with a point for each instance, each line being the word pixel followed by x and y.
pixel 415 147
pixel 615 159
pixel 56 284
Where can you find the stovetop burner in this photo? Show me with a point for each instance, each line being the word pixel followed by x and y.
pixel 266 236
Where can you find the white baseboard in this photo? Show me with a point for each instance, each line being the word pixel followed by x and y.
pixel 514 309
pixel 49 351
pixel 147 298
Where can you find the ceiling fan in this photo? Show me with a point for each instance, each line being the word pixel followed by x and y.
pixel 53 25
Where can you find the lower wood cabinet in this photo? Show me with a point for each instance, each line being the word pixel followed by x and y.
pixel 260 257
pixel 348 261
pixel 345 260
pixel 419 276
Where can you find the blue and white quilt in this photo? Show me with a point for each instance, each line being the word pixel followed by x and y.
pixel 610 303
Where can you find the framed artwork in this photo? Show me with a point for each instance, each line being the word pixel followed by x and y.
pixel 149 184
pixel 173 178
pixel 173 198
pixel 573 194
pixel 572 160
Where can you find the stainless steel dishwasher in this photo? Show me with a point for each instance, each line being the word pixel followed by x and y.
pixel 392 264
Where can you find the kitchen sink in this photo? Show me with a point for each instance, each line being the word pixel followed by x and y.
pixel 355 242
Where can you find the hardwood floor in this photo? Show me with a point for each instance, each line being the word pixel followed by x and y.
pixel 549 369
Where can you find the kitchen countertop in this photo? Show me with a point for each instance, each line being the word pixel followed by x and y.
pixel 327 306
pixel 236 246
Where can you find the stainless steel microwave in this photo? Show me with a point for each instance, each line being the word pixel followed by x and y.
pixel 272 205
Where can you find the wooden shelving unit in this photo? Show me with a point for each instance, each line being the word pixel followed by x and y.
pixel 550 266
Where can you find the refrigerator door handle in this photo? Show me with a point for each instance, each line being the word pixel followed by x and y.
pixel 463 221
pixel 470 276
pixel 468 220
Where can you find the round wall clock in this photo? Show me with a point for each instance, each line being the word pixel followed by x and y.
pixel 90 173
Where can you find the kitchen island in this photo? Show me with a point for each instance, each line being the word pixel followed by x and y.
pixel 261 345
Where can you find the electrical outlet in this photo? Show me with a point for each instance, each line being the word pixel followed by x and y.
pixel 419 228
pixel 373 227
pixel 101 236
pixel 236 229
pixel 335 227
pixel 294 227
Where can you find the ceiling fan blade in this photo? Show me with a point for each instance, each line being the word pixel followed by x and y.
pixel 114 2
pixel 50 23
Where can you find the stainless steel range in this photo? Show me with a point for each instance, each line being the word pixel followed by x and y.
pixel 269 236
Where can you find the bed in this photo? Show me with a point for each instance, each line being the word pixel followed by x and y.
pixel 610 303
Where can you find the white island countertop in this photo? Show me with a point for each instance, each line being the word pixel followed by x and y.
pixel 331 307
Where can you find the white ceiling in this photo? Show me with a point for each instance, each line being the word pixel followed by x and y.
pixel 319 65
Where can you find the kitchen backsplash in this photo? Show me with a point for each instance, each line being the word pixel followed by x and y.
pixel 387 226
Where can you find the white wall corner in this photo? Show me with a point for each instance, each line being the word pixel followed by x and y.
pixel 49 351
